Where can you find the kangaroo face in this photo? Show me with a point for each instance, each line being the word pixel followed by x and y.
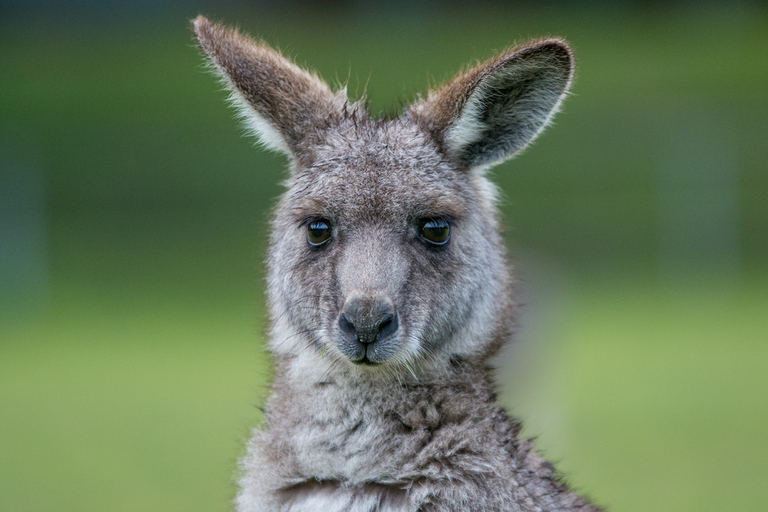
pixel 382 251
pixel 385 251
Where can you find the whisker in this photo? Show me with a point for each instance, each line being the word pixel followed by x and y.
pixel 405 363
pixel 298 333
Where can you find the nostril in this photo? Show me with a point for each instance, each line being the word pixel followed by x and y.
pixel 346 325
pixel 385 321
pixel 387 326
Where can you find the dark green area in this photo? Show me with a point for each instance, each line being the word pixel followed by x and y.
pixel 122 118
pixel 133 221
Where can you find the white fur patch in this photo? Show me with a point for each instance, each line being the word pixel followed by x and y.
pixel 534 111
pixel 467 128
pixel 255 124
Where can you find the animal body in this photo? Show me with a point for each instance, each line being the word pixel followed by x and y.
pixel 389 290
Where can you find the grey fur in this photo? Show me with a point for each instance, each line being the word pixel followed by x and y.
pixel 382 398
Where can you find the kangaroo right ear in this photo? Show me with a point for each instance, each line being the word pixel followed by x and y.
pixel 492 111
pixel 283 105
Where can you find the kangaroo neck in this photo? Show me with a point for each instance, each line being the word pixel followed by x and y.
pixel 325 393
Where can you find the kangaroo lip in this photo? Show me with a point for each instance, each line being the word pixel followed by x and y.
pixel 365 361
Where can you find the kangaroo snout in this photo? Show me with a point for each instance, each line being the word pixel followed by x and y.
pixel 366 322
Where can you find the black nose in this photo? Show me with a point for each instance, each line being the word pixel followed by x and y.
pixel 367 319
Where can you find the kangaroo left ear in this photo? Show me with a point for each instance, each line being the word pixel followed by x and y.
pixel 492 111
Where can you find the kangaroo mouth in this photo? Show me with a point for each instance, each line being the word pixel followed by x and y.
pixel 367 354
pixel 366 362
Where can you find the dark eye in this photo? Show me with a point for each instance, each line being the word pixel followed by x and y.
pixel 318 232
pixel 436 231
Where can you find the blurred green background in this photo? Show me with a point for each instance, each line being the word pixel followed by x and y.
pixel 133 224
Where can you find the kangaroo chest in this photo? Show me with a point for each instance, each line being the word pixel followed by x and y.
pixel 335 496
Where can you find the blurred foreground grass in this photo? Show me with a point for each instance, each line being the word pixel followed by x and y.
pixel 652 396
pixel 658 393
pixel 140 415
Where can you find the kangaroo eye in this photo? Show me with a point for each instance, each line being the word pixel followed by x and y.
pixel 318 232
pixel 436 231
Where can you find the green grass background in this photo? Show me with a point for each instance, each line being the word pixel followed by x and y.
pixel 132 322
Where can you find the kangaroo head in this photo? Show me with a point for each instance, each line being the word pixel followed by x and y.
pixel 385 251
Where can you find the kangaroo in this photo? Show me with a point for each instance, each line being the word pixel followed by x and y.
pixel 388 288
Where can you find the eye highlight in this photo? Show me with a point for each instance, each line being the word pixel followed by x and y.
pixel 318 232
pixel 435 231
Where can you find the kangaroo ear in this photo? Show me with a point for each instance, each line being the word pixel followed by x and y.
pixel 490 112
pixel 283 105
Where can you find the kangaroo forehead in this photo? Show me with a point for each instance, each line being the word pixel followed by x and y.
pixel 381 183
pixel 379 189
pixel 386 149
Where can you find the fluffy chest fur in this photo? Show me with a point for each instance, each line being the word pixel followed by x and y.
pixel 437 446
